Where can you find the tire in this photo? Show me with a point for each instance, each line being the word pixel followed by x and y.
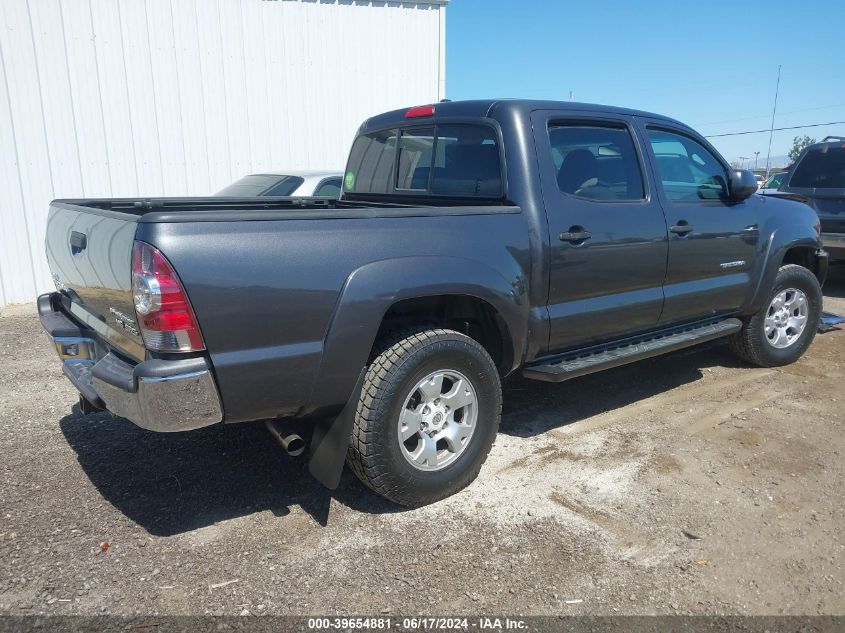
pixel 376 454
pixel 752 343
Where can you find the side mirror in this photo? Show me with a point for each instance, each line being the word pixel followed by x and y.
pixel 743 184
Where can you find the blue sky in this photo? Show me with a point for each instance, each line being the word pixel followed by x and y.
pixel 711 64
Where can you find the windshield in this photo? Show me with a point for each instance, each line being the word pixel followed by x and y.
pixel 775 181
pixel 822 168
pixel 262 185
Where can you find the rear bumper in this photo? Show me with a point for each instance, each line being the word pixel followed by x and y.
pixel 158 395
pixel 834 243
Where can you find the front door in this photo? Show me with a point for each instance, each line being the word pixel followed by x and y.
pixel 607 235
pixel 712 240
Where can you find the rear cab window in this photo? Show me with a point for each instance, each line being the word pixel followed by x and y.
pixel 445 160
pixel 820 168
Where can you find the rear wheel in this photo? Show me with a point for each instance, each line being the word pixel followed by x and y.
pixel 782 330
pixel 427 418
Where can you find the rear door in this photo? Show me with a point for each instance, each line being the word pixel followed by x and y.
pixel 712 240
pixel 607 233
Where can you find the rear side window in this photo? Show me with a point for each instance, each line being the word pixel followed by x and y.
pixel 687 170
pixel 450 160
pixel 329 188
pixel 262 185
pixel 596 162
pixel 822 168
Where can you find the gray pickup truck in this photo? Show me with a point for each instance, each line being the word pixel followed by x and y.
pixel 818 178
pixel 472 240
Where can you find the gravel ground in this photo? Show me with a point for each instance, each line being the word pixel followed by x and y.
pixel 684 484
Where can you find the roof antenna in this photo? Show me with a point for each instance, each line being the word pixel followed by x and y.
pixel 772 127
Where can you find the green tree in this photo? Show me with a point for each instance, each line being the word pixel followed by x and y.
pixel 798 145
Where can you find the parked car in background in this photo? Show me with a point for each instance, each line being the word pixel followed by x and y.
pixel 286 183
pixel 818 177
pixel 387 318
pixel 772 184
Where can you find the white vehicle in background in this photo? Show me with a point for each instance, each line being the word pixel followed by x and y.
pixel 286 183
pixel 772 184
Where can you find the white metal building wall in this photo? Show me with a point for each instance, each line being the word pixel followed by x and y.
pixel 103 98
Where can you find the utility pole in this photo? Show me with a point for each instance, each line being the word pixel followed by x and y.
pixel 756 154
pixel 772 126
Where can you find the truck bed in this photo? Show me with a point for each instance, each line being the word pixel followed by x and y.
pixel 265 277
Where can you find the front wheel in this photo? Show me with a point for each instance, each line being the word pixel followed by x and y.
pixel 782 330
pixel 428 414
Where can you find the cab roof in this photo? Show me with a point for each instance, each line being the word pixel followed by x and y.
pixel 490 107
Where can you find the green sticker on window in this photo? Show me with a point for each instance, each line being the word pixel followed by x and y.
pixel 349 180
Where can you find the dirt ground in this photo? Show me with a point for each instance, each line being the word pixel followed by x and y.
pixel 684 484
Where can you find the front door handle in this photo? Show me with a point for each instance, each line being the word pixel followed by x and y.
pixel 575 235
pixel 682 228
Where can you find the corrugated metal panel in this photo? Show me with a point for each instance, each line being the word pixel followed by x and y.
pixel 180 97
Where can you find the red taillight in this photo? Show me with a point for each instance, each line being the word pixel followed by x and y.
pixel 412 113
pixel 165 315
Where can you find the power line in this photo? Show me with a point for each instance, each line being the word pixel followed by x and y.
pixel 766 116
pixel 777 129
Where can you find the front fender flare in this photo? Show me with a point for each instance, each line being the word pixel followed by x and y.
pixel 779 243
pixel 371 290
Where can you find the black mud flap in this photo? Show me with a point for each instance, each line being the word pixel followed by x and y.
pixel 331 439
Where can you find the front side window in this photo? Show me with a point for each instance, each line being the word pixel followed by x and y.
pixel 822 168
pixel 596 162
pixel 687 170
pixel 450 160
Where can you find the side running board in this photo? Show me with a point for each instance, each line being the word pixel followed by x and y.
pixel 579 363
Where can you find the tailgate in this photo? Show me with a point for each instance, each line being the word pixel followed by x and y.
pixel 831 214
pixel 89 252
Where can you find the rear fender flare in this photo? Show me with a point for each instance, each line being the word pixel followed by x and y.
pixel 371 290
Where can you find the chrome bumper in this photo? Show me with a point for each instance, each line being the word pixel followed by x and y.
pixel 176 402
pixel 158 395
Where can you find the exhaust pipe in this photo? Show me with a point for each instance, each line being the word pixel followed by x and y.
pixel 293 444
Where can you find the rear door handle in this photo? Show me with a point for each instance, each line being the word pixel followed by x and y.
pixel 576 235
pixel 681 228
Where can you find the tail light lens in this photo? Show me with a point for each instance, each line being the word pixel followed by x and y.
pixel 165 316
